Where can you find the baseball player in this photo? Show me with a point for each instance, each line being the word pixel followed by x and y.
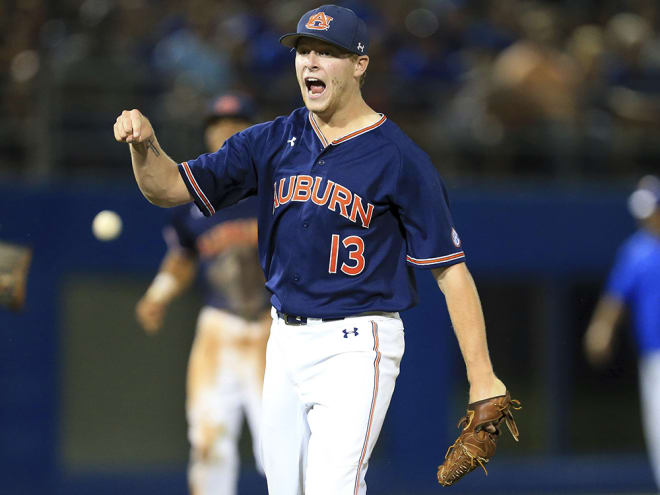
pixel 227 360
pixel 634 282
pixel 347 206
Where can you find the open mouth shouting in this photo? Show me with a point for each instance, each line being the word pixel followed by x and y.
pixel 315 87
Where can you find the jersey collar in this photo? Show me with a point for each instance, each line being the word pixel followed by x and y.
pixel 347 137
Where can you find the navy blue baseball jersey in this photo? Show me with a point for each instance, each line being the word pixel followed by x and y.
pixel 232 278
pixel 341 223
pixel 635 280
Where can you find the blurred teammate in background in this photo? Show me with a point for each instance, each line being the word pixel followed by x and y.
pixel 227 360
pixel 635 283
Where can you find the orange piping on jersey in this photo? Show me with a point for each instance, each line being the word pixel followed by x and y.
pixel 374 329
pixel 198 190
pixel 361 131
pixel 441 259
pixel 318 132
pixel 347 137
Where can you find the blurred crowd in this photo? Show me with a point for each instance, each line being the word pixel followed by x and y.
pixel 566 90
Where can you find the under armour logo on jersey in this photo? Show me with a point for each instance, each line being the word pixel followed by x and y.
pixel 360 47
pixel 319 22
pixel 354 332
pixel 291 141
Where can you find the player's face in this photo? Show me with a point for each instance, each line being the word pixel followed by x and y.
pixel 219 131
pixel 326 75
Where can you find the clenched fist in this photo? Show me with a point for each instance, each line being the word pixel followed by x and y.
pixel 133 127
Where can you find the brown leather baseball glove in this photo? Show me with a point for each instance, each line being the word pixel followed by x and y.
pixel 478 439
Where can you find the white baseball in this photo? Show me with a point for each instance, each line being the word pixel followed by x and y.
pixel 106 225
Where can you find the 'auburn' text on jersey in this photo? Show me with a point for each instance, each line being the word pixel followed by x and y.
pixel 341 223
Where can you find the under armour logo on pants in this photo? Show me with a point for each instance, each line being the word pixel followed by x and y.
pixel 346 332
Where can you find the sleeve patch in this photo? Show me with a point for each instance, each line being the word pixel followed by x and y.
pixel 455 239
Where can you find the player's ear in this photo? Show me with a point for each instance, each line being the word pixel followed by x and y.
pixel 361 63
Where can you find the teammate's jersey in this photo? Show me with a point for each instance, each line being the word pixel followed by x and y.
pixel 635 280
pixel 232 278
pixel 340 224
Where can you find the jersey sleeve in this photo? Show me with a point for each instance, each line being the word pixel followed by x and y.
pixel 176 233
pixel 431 238
pixel 621 281
pixel 220 179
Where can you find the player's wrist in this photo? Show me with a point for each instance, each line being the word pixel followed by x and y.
pixel 139 147
pixel 163 288
pixel 145 144
pixel 480 371
pixel 486 386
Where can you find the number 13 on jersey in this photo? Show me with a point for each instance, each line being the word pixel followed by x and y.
pixel 355 245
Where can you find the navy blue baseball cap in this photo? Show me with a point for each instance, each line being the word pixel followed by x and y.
pixel 336 25
pixel 231 105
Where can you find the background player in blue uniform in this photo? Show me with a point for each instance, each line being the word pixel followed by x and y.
pixel 347 206
pixel 227 360
pixel 634 283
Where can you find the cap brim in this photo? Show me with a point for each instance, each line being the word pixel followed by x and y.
pixel 291 39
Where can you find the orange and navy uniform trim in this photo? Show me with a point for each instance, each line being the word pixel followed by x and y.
pixel 347 137
pixel 432 261
pixel 197 189
pixel 374 330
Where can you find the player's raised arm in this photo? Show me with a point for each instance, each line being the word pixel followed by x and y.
pixel 156 173
pixel 467 318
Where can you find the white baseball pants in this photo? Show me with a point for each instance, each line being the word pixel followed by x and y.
pixel 326 392
pixel 225 377
pixel 649 388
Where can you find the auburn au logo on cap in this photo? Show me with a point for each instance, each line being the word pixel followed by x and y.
pixel 319 21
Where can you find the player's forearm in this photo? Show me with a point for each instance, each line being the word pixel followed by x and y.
pixel 174 276
pixel 155 172
pixel 467 319
pixel 600 334
pixel 182 267
pixel 607 314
